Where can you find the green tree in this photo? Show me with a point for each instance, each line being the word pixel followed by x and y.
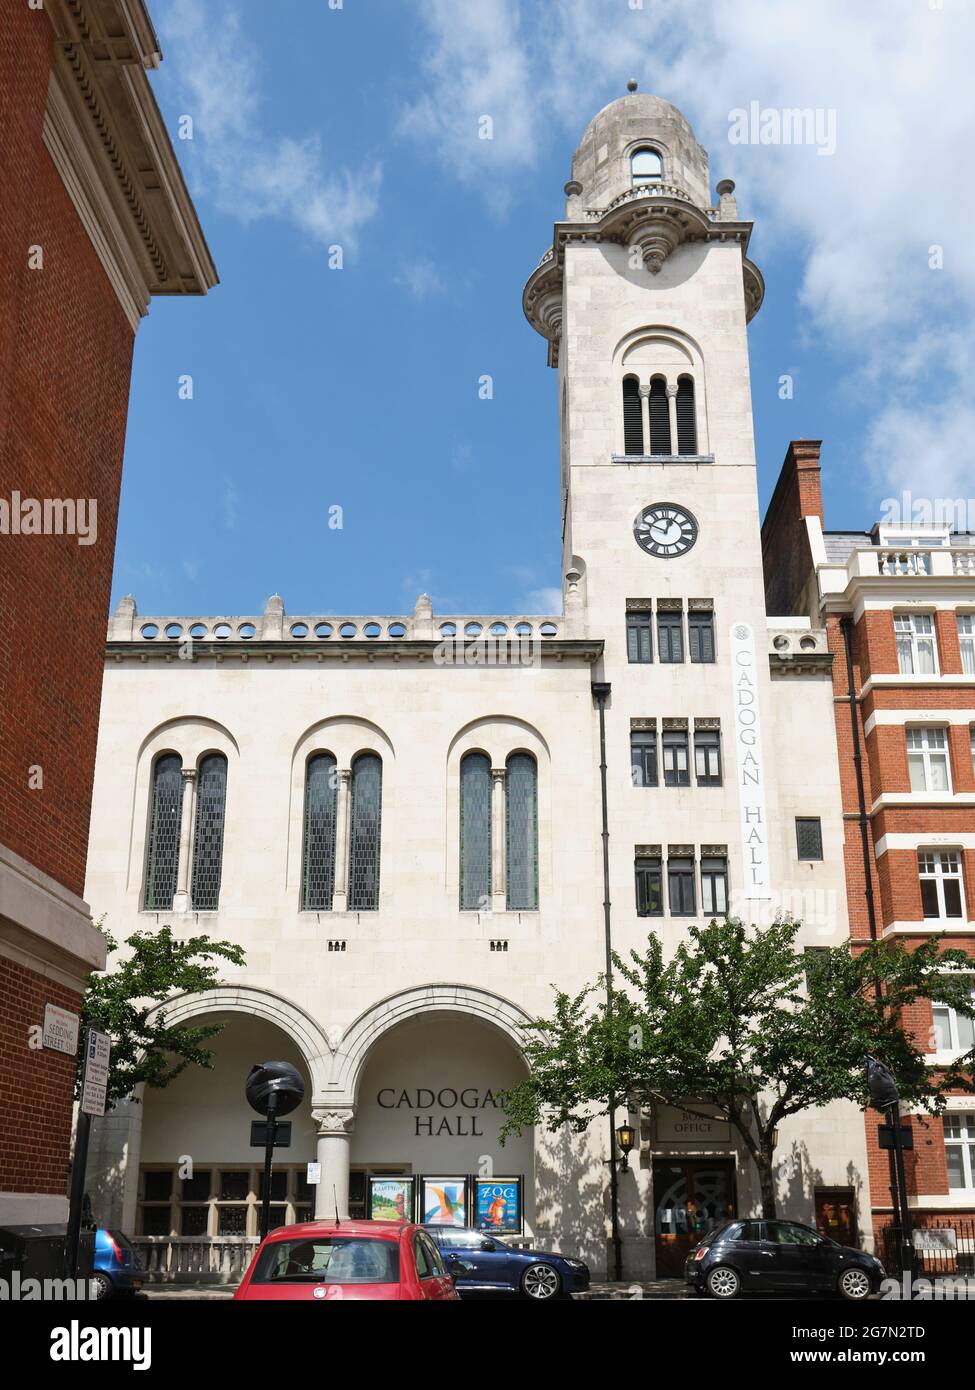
pixel 124 1002
pixel 728 1023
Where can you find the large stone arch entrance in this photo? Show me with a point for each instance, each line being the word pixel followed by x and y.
pixel 415 1094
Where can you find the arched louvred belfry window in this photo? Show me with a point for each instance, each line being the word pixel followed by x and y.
pixel 475 832
pixel 365 822
pixel 522 833
pixel 211 799
pixel 632 417
pixel 646 167
pixel 318 852
pixel 162 849
pixel 686 419
pixel 660 442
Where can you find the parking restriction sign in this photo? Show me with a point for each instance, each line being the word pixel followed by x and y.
pixel 94 1091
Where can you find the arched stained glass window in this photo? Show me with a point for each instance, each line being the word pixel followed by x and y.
pixel 211 797
pixel 646 166
pixel 318 852
pixel 475 831
pixel 365 833
pixel 522 833
pixel 162 851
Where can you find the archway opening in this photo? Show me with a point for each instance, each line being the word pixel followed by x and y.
pixel 429 1111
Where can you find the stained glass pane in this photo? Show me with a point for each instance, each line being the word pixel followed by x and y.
pixel 364 836
pixel 475 831
pixel 162 859
pixel 522 833
pixel 211 797
pixel 318 875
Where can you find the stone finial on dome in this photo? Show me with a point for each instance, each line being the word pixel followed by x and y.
pixel 632 85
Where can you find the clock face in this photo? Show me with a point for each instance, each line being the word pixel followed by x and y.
pixel 665 530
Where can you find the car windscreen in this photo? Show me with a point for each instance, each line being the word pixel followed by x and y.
pixel 334 1259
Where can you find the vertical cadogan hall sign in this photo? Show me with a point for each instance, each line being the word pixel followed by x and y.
pixel 751 779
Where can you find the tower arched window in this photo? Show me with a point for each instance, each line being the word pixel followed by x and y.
pixel 646 166
pixel 660 441
pixel 318 852
pixel 211 799
pixel 686 417
pixel 365 821
pixel 522 833
pixel 162 849
pixel 475 831
pixel 632 417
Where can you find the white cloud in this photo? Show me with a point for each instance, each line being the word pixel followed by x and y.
pixel 544 603
pixel 925 453
pixel 248 173
pixel 421 279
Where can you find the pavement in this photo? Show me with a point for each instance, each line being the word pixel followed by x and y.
pixel 655 1288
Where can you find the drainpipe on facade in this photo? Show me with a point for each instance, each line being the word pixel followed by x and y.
pixel 601 693
pixel 863 818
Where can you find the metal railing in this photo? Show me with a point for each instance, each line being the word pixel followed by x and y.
pixel 942 1246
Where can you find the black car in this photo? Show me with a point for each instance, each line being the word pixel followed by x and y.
pixel 778 1257
pixel 480 1263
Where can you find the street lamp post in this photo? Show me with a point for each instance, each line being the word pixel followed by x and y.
pixel 885 1097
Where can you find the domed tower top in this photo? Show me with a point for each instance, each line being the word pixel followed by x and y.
pixel 637 139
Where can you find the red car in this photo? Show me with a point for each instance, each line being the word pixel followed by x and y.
pixel 337 1260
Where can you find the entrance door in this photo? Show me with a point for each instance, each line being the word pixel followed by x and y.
pixel 836 1214
pixel 692 1197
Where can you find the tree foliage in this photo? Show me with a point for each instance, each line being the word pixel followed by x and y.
pixel 741 1022
pixel 124 1002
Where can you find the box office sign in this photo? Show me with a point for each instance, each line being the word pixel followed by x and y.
pixel 675 1126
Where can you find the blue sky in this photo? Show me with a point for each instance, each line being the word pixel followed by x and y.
pixel 358 388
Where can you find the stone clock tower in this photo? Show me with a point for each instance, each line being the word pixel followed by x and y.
pixel 644 298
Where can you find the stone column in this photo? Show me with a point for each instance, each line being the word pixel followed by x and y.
pixel 334 1151
pixel 340 895
pixel 181 898
pixel 498 867
pixel 672 410
pixel 645 418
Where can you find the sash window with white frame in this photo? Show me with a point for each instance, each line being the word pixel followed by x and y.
pixel 942 890
pixel 960 1150
pixel 917 651
pixel 966 641
pixel 927 760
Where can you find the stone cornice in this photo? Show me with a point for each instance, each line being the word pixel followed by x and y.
pixel 106 135
pixel 295 651
pixel 657 226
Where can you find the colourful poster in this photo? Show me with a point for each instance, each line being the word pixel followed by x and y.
pixel 498 1205
pixel 445 1201
pixel 391 1199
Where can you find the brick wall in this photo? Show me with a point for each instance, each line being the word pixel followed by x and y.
pixel 65 359
pixel 36 1086
pixel 785 547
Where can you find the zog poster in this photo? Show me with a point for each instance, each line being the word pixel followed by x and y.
pixel 497 1204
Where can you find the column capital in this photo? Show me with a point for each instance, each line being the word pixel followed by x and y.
pixel 345 774
pixel 644 391
pixel 188 774
pixel 338 1120
pixel 671 389
pixel 498 774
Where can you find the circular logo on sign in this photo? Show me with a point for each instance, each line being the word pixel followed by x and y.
pixel 741 632
pixel 320 1291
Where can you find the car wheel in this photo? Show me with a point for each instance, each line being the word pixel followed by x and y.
pixel 723 1283
pixel 855 1283
pixel 101 1285
pixel 540 1282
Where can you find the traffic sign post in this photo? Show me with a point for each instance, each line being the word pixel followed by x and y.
pixel 272 1089
pixel 94 1095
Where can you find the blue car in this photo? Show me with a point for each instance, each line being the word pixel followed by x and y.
pixel 116 1268
pixel 481 1263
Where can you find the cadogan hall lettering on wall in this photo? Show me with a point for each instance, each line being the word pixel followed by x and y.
pixel 756 879
pixel 428 1109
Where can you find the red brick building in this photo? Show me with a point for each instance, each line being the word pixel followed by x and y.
pixel 94 220
pixel 898 603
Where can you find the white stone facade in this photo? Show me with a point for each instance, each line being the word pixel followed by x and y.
pixel 420 996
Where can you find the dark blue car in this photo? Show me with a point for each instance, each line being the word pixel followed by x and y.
pixel 116 1269
pixel 481 1263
